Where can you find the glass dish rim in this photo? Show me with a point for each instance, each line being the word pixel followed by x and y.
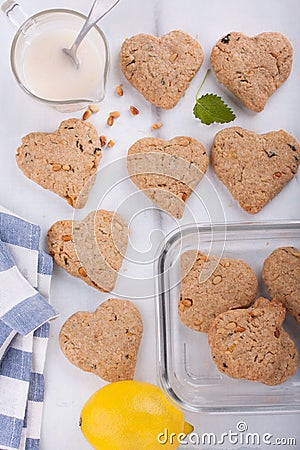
pixel 58 102
pixel 160 322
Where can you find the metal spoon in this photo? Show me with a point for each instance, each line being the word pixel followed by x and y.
pixel 99 9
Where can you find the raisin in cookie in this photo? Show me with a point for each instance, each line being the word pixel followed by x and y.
pixel 92 249
pixel 210 286
pixel 167 171
pixel 65 162
pixel 105 342
pixel 252 68
pixel 161 69
pixel 254 167
pixel 252 344
pixel 281 275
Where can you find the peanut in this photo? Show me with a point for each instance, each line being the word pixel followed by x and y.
pixel 93 108
pixel 115 114
pixel 110 143
pixel 119 90
pixel 102 141
pixel 134 111
pixel 82 272
pixel 66 238
pixel 86 114
pixel 110 121
pixel 187 302
pixel 156 126
pixel 173 57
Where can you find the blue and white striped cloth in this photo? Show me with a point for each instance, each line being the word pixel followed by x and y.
pixel 25 275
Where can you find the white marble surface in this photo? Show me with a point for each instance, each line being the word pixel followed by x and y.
pixel 67 387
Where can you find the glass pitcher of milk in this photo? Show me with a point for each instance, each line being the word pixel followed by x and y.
pixel 42 69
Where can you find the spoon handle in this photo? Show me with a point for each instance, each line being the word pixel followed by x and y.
pixel 99 9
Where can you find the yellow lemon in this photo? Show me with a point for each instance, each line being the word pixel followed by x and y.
pixel 132 415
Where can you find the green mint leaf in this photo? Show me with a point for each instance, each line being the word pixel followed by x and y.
pixel 210 108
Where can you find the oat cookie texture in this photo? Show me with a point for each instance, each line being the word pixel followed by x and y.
pixel 167 171
pixel 252 68
pixel 65 162
pixel 93 249
pixel 211 286
pixel 254 167
pixel 161 68
pixel 281 275
pixel 104 342
pixel 252 344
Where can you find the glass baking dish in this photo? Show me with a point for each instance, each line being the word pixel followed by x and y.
pixel 185 370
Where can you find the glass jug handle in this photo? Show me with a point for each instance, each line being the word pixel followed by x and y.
pixel 14 12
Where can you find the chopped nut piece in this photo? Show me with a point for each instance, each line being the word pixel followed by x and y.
pixel 82 272
pixel 277 174
pixel 86 114
pixel 226 264
pixel 102 141
pixel 203 257
pixel 231 348
pixel 156 125
pixel 173 57
pixel 181 307
pixel 66 167
pixel 119 90
pixel 134 111
pixel 93 108
pixel 119 226
pixel 184 196
pixel 294 253
pixel 231 325
pixel 239 329
pixel 217 279
pixel 110 121
pixel 56 167
pixel 110 143
pixel 115 114
pixel 69 200
pixel 197 323
pixel 66 238
pixel 277 333
pixel 187 302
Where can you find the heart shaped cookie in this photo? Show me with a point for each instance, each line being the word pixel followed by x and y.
pixel 281 275
pixel 210 286
pixel 252 68
pixel 105 342
pixel 92 249
pixel 252 344
pixel 255 168
pixel 167 171
pixel 64 162
pixel 161 69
